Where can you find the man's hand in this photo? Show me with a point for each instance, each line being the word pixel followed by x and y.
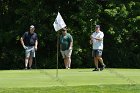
pixel 99 39
pixel 36 48
pixel 90 41
pixel 70 48
pixel 25 47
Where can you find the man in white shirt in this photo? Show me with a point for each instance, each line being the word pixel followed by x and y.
pixel 97 46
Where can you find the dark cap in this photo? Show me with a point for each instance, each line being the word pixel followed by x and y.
pixel 97 26
pixel 64 29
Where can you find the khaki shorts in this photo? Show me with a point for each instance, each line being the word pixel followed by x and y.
pixel 66 53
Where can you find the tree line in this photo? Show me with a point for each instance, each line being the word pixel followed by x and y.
pixel 119 20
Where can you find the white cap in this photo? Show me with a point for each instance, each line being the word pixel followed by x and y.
pixel 32 26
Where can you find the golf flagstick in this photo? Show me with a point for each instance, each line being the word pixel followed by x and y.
pixel 58 25
pixel 57 53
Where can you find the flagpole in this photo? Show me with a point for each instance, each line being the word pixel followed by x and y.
pixel 58 25
pixel 57 53
pixel 57 49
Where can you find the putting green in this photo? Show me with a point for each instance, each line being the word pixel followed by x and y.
pixel 71 77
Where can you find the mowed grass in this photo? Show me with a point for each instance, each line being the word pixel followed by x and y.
pixel 70 81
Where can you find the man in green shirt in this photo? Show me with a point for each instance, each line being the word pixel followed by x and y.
pixel 66 43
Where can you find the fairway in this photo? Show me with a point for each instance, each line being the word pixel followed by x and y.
pixel 70 81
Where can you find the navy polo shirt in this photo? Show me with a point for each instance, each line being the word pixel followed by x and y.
pixel 29 39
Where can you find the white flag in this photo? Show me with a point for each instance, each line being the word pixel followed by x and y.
pixel 59 22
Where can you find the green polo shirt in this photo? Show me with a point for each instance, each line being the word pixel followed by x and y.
pixel 65 41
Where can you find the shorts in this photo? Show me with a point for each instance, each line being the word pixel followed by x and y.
pixel 30 51
pixel 66 53
pixel 97 52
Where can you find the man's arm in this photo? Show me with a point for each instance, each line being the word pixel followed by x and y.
pixel 71 42
pixel 36 44
pixel 91 41
pixel 22 42
pixel 100 38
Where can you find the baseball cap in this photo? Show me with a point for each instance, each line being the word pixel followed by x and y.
pixel 32 26
pixel 64 29
pixel 97 26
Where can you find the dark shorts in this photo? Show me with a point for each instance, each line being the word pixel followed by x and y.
pixel 97 52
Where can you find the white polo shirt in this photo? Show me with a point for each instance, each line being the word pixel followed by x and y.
pixel 97 44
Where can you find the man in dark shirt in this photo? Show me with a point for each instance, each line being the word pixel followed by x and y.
pixel 29 42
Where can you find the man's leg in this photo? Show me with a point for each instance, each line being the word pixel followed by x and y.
pixel 96 63
pixel 27 54
pixel 99 57
pixel 30 62
pixel 68 62
pixel 26 62
pixel 65 62
pixel 64 58
pixel 101 60
pixel 102 63
pixel 95 60
pixel 32 55
pixel 68 56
